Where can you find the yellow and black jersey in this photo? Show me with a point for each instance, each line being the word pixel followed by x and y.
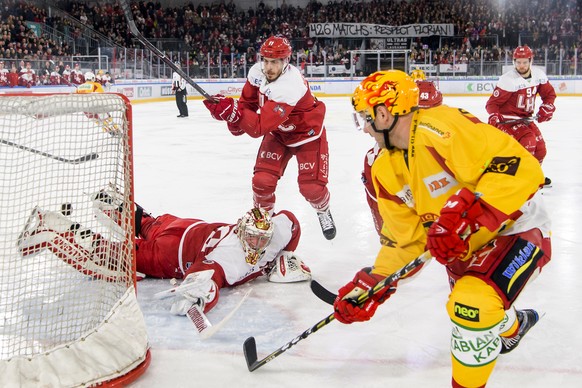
pixel 449 148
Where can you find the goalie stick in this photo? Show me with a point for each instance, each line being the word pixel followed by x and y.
pixel 250 346
pixel 79 160
pixel 210 330
pixel 135 32
pixel 196 314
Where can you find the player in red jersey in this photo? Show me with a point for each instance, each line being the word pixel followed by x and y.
pixel 512 104
pixel 291 124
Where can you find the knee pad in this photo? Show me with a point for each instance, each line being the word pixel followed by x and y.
pixel 478 316
pixel 264 186
pixel 264 181
pixel 315 193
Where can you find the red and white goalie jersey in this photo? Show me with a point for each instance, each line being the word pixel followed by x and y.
pixel 288 110
pixel 514 97
pixel 204 246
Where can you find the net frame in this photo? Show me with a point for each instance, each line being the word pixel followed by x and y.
pixel 45 337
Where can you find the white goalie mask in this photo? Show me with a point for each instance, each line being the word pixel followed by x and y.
pixel 255 230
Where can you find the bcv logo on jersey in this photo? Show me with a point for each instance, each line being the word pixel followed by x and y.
pixel 270 155
pixel 439 184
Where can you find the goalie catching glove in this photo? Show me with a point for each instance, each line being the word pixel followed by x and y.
pixel 288 268
pixel 223 108
pixel 345 309
pixel 448 236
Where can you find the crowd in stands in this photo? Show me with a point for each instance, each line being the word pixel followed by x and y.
pixel 484 29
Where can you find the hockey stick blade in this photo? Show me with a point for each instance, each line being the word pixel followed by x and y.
pixel 210 331
pixel 250 346
pixel 79 160
pixel 250 351
pixel 322 293
pixel 135 32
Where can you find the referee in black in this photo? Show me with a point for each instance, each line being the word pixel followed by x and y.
pixel 179 88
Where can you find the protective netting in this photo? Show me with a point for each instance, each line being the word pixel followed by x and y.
pixel 63 323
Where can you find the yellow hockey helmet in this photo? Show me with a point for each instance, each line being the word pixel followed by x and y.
pixel 393 88
pixel 417 75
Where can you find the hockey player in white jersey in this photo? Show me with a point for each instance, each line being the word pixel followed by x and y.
pixel 511 107
pixel 276 104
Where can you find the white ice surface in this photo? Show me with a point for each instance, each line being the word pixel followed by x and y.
pixel 194 167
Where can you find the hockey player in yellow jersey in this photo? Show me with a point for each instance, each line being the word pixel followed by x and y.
pixel 90 85
pixel 466 192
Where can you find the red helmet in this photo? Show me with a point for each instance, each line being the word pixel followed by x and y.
pixel 522 52
pixel 276 47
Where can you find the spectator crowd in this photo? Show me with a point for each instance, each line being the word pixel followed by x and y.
pixel 484 29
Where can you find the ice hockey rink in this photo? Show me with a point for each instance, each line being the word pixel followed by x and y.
pixel 194 167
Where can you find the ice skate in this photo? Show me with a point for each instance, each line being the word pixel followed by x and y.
pixel 327 224
pixel 527 319
pixel 547 183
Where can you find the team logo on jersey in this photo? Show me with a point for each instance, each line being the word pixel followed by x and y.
pixel 439 184
pixel 279 110
pixel 467 313
pixel 504 165
pixel 406 196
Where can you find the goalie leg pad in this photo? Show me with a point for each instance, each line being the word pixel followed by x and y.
pixel 40 229
pixel 107 206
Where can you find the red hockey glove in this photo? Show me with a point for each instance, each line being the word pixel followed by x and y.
pixel 235 129
pixel 225 109
pixel 346 311
pixel 448 236
pixel 546 112
pixel 495 119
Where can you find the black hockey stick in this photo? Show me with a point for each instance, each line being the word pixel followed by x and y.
pixel 322 293
pixel 82 159
pixel 135 32
pixel 533 118
pixel 250 345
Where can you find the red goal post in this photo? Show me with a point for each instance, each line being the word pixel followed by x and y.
pixel 67 316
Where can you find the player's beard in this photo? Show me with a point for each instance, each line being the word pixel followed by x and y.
pixel 272 76
pixel 524 72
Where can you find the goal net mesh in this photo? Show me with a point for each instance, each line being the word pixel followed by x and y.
pixel 66 319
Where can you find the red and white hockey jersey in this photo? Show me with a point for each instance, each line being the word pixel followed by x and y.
pixel 514 96
pixel 288 110
pixel 175 247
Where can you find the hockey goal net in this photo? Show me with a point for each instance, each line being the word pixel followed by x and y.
pixel 66 321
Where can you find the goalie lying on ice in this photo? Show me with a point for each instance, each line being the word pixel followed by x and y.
pixel 178 248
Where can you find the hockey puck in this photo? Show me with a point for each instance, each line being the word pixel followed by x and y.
pixel 66 209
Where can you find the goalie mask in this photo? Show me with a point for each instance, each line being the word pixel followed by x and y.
pixel 255 230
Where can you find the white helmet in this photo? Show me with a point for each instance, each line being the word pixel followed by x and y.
pixel 89 76
pixel 255 230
